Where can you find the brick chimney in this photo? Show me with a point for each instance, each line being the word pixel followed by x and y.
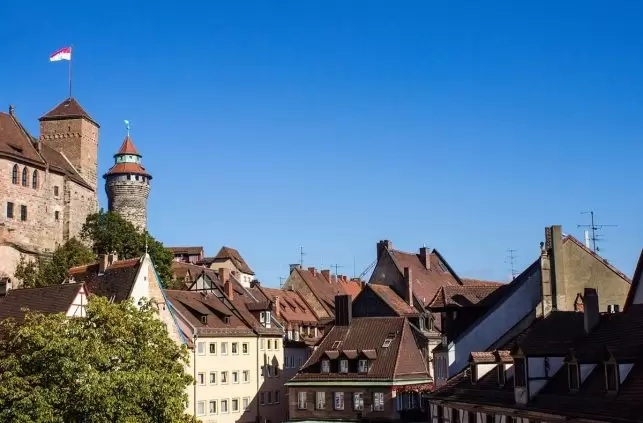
pixel 552 271
pixel 408 279
pixel 425 257
pixel 343 310
pixel 277 306
pixel 326 273
pixel 590 309
pixel 382 246
pixel 224 277
pixel 313 271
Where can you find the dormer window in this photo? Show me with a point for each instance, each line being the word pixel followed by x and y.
pixel 362 366
pixel 226 320
pixel 325 366
pixel 502 374
pixel 520 372
pixel 473 373
pixel 611 377
pixel 387 342
pixel 204 319
pixel 573 377
pixel 343 366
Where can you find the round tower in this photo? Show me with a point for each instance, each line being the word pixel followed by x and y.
pixel 128 185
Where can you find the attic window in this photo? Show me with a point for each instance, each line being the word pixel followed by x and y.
pixel 573 376
pixel 611 377
pixel 387 342
pixel 336 345
pixel 226 320
pixel 502 374
pixel 204 319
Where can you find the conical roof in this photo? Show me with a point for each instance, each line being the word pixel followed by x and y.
pixel 68 108
pixel 127 148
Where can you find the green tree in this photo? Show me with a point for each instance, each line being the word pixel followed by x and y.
pixel 41 272
pixel 109 232
pixel 116 364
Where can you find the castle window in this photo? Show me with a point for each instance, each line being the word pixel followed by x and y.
pixel 14 175
pixel 56 191
pixel 57 216
pixel 24 176
pixel 23 213
pixel 34 179
pixel 9 209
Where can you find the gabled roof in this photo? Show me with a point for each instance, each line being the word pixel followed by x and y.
pixel 461 295
pixel 116 283
pixel 15 141
pixel 68 109
pixel 325 288
pixel 48 299
pixel 401 359
pixel 228 253
pixel 394 301
pixel 292 307
pixel 127 148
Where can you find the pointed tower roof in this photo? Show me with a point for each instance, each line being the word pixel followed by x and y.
pixel 127 148
pixel 68 109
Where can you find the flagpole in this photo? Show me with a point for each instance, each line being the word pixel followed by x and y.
pixel 70 59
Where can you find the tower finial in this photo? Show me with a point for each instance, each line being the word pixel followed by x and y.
pixel 127 126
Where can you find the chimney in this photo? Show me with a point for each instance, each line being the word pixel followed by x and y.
pixel 408 278
pixel 326 274
pixel 103 263
pixel 277 306
pixel 12 110
pixel 425 257
pixel 590 307
pixel 224 277
pixel 313 271
pixel 382 246
pixel 295 266
pixel 343 310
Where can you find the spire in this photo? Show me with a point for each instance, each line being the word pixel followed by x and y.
pixel 127 148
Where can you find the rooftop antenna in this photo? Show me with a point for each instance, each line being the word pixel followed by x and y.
pixel 591 233
pixel 301 256
pixel 281 282
pixel 336 267
pixel 511 261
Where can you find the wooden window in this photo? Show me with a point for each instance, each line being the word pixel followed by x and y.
pixel 34 179
pixel 378 401
pixel 573 376
pixel 14 175
pixel 611 375
pixel 9 209
pixel 24 176
pixel 320 400
pixel 23 213
pixel 520 372
pixel 302 400
pixel 338 400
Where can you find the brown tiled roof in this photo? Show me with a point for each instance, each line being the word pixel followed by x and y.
pixel 127 168
pixel 117 281
pixel 15 142
pixel 554 335
pixel 238 261
pixel 186 250
pixel 68 108
pixel 482 357
pixel 390 297
pixel 49 299
pixel 426 282
pixel 461 296
pixel 293 308
pixel 58 162
pixel 480 282
pixel 351 287
pixel 127 148
pixel 402 359
pixel 325 288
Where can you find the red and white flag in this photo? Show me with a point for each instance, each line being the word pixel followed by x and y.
pixel 62 54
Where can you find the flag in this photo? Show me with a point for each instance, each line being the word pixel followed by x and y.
pixel 62 54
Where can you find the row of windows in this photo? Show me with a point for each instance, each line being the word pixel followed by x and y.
pixel 362 366
pixel 293 362
pixel 268 397
pixel 11 212
pixel 25 177
pixel 270 344
pixel 222 349
pixel 444 414
pixel 338 400
pixel 223 378
pixel 223 406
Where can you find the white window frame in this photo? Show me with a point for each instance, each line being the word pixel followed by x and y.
pixel 245 346
pixel 378 401
pixel 338 400
pixel 200 348
pixel 200 408
pixel 224 378
pixel 200 378
pixel 246 376
pixel 246 403
pixel 343 365
pixel 232 408
pixel 261 344
pixel 225 406
pixel 215 378
pixel 320 400
pixel 302 400
pixel 234 348
pixel 213 344
pixel 325 366
pixel 224 348
pixel 235 376
pixel 216 408
pixel 362 365
pixel 358 401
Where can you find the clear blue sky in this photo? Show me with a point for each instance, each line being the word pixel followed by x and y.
pixel 268 125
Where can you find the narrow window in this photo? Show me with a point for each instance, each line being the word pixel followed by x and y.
pixel 246 403
pixel 23 213
pixel 34 179
pixel 262 399
pixel 572 374
pixel 213 378
pixel 56 216
pixel 9 209
pixel 338 398
pixel 224 348
pixel 235 348
pixel 519 371
pixel 362 366
pixel 502 375
pixel 455 415
pixel 246 376
pixel 56 191
pixel 343 366
pixel 473 369
pixel 14 175
pixel 24 176
pixel 235 377
pixel 276 397
pixel 201 378
pixel 235 404
pixel 269 397
pixel 213 407
pixel 224 406
pixel 245 348
pixel 611 374
pixel 302 400
pixel 358 401
pixel 320 400
pixel 200 408
pixel 325 366
pixel 378 401
pixel 224 377
pixel 213 348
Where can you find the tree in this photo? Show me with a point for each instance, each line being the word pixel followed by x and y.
pixel 41 272
pixel 109 232
pixel 116 364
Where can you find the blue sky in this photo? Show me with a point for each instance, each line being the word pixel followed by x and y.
pixel 268 125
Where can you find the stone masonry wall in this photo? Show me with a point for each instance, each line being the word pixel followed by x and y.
pixel 82 202
pixel 129 199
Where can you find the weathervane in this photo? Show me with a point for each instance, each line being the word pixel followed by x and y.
pixel 127 126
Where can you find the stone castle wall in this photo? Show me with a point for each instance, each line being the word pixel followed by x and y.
pixel 129 199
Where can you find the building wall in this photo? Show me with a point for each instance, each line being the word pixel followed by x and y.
pixel 80 202
pixel 368 304
pixel 128 199
pixel 387 273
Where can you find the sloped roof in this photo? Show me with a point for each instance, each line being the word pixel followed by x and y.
pixel 636 281
pixel 15 142
pixel 117 281
pixel 292 306
pixel 390 297
pixel 67 109
pixel 400 360
pixel 461 296
pixel 226 253
pixel 49 299
pixel 127 168
pixel 58 162
pixel 127 148
pixel 195 250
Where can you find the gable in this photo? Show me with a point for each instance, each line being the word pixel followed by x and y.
pixel 386 272
pixel 369 304
pixel 296 283
pixel 77 307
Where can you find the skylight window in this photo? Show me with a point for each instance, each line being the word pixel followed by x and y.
pixel 387 342
pixel 336 344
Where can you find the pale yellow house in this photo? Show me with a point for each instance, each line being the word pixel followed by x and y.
pixel 237 351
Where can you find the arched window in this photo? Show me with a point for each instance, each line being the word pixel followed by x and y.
pixel 34 179
pixel 14 175
pixel 24 176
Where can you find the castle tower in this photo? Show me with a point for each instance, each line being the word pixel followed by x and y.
pixel 68 129
pixel 128 185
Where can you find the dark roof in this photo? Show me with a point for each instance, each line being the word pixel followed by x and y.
pixel 15 141
pixel 117 281
pixel 127 148
pixel 636 281
pixel 394 301
pixel 554 335
pixel 186 250
pixel 127 168
pixel 461 295
pixel 226 253
pixel 402 359
pixel 49 299
pixel 67 109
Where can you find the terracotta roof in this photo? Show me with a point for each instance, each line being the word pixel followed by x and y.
pixel 480 282
pixel 68 108
pixel 461 296
pixel 127 168
pixel 226 253
pixel 15 142
pixel 426 282
pixel 186 250
pixel 402 359
pixel 117 281
pixel 292 307
pixel 58 162
pixel 127 148
pixel 390 297
pixel 350 286
pixel 49 299
pixel 482 357
pixel 326 288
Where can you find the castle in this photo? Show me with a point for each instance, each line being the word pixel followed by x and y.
pixel 49 185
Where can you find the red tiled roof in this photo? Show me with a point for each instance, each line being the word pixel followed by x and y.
pixel 68 108
pixel 390 297
pixel 293 308
pixel 226 253
pixel 482 357
pixel 127 168
pixel 15 142
pixel 49 299
pixel 117 281
pixel 461 296
pixel 127 148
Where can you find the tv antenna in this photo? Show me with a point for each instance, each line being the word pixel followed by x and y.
pixel 281 282
pixel 592 230
pixel 301 256
pixel 511 261
pixel 336 267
